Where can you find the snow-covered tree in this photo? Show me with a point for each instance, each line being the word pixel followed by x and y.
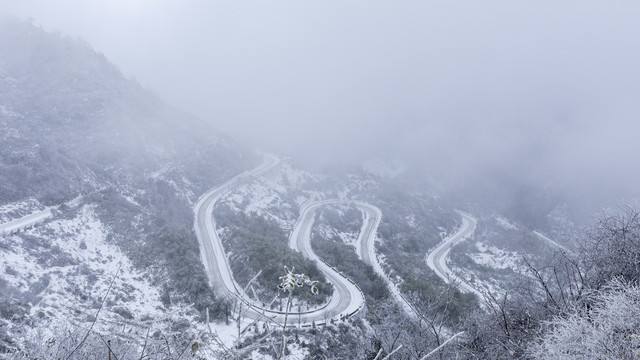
pixel 608 329
pixel 612 247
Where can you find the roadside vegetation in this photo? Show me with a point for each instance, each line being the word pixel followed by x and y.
pixel 256 244
pixel 344 259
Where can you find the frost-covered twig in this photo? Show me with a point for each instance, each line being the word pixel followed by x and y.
pixel 288 283
pixel 190 345
pixel 263 314
pixel 146 339
pixel 168 347
pixel 259 311
pixel 391 353
pixel 284 328
pixel 443 345
pixel 108 345
pixel 214 335
pixel 97 313
pixel 378 354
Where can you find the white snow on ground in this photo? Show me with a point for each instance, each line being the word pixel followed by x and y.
pixel 130 199
pixel 411 220
pixel 264 196
pixel 496 258
pixel 295 352
pixel 470 278
pixel 268 195
pixel 505 223
pixel 267 201
pixel 394 286
pixel 9 132
pixel 64 267
pixel 329 232
pixel 356 297
pixel 216 261
pixel 493 258
pixel 263 200
pixel 18 266
pixel 158 173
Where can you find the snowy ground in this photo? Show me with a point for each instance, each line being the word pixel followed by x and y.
pixel 269 195
pixel 496 258
pixel 329 232
pixel 504 223
pixel 499 266
pixel 63 269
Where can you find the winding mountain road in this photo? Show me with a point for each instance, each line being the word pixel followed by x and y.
pixel 365 248
pixel 211 250
pixel 347 299
pixel 437 258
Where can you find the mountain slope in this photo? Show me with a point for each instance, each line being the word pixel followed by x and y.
pixel 65 110
pixel 73 127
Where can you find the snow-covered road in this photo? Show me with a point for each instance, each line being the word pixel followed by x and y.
pixel 437 258
pixel 365 247
pixel 347 298
pixel 35 218
pixel 211 250
pixel 25 222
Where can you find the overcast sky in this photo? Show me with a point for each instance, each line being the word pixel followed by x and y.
pixel 551 85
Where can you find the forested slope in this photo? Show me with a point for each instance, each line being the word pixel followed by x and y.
pixel 72 125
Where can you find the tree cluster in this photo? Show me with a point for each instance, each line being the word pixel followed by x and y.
pixel 256 244
pixel 581 305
